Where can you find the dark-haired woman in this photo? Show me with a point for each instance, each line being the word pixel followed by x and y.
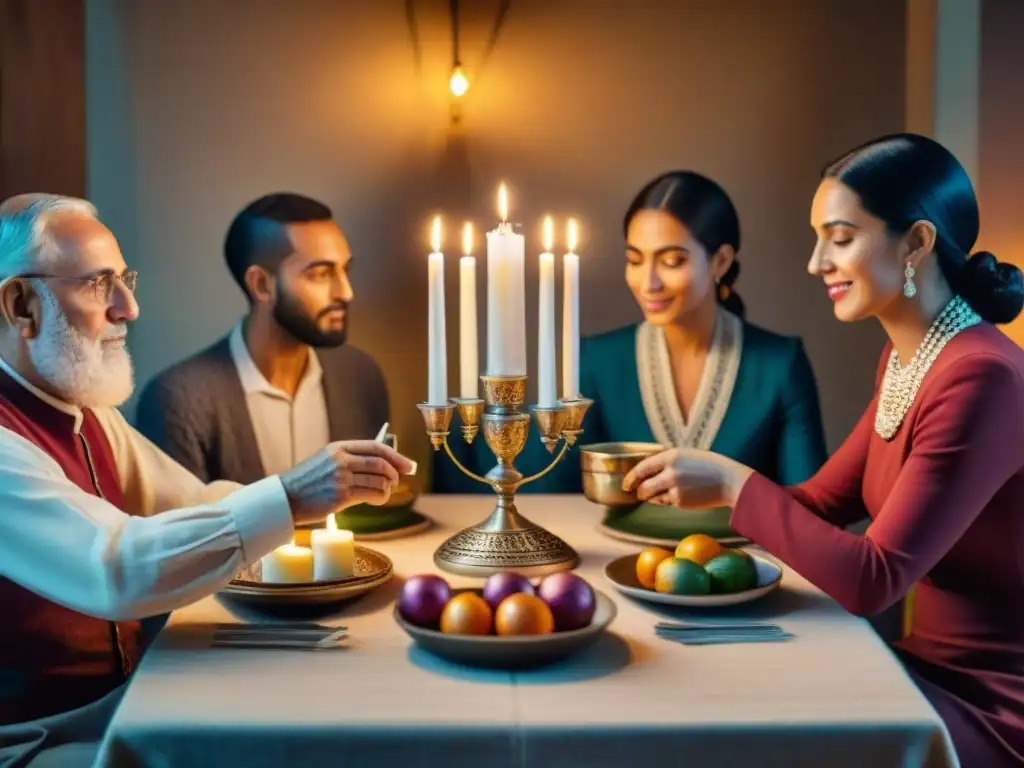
pixel 693 373
pixel 937 460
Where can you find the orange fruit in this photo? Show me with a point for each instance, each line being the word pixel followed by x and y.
pixel 679 576
pixel 647 563
pixel 466 614
pixel 523 614
pixel 698 548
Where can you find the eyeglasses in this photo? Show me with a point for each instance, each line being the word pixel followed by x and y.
pixel 103 283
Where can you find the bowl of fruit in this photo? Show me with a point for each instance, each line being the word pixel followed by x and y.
pixel 511 623
pixel 700 573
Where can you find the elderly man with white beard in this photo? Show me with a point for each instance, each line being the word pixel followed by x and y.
pixel 99 528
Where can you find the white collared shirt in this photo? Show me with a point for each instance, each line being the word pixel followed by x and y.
pixel 181 540
pixel 288 429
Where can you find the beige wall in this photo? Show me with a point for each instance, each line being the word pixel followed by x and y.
pixel 197 106
pixel 1001 177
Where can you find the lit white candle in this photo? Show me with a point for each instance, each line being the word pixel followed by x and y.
pixel 437 352
pixel 571 317
pixel 506 297
pixel 547 378
pixel 334 552
pixel 288 565
pixel 469 366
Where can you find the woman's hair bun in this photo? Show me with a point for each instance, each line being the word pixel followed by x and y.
pixel 994 289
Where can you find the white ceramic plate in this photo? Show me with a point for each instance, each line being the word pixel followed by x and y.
pixel 622 574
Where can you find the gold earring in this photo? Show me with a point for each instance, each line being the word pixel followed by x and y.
pixel 909 289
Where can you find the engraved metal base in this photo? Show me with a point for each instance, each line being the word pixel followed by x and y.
pixel 506 541
pixel 533 552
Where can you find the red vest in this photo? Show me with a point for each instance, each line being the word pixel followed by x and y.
pixel 54 659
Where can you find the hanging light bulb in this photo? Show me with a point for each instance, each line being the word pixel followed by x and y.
pixel 458 82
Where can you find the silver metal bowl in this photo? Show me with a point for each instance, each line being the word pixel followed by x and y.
pixel 512 652
pixel 604 467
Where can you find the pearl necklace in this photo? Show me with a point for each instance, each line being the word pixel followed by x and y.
pixel 900 385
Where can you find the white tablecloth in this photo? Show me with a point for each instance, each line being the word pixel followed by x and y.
pixel 834 696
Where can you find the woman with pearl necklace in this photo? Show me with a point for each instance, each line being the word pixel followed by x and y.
pixel 936 461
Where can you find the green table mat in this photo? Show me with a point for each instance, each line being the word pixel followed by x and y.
pixel 365 519
pixel 658 522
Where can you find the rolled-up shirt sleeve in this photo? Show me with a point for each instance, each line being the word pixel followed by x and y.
pixel 183 540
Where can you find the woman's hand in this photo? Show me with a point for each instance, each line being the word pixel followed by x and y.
pixel 688 478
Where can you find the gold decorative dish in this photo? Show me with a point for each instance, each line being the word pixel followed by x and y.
pixel 604 467
pixel 372 569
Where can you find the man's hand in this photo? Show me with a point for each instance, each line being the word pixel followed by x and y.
pixel 687 478
pixel 342 475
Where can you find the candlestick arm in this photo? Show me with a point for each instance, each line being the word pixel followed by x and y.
pixel 466 472
pixel 548 468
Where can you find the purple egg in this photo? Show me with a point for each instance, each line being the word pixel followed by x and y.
pixel 504 583
pixel 423 599
pixel 570 599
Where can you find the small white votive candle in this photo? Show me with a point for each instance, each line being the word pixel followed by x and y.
pixel 334 552
pixel 288 565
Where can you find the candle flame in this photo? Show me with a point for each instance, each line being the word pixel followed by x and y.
pixel 503 203
pixel 435 235
pixel 467 238
pixel 549 234
pixel 332 524
pixel 572 235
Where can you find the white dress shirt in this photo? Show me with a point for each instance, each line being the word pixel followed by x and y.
pixel 288 429
pixel 188 540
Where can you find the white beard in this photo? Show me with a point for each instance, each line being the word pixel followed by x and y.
pixel 89 374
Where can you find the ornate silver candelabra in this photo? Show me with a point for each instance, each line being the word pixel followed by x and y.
pixel 506 540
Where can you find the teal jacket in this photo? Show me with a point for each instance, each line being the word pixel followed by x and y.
pixel 773 422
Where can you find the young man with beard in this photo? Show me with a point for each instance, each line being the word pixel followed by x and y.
pixel 282 383
pixel 98 527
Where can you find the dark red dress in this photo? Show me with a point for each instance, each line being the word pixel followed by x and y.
pixel 946 502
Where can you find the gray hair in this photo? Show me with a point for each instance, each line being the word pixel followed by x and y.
pixel 26 241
